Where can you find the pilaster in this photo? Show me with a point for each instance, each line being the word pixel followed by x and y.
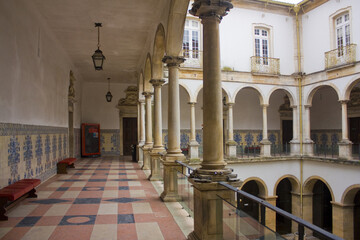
pixel 343 220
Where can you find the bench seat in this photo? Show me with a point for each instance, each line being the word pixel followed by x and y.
pixel 63 164
pixel 15 191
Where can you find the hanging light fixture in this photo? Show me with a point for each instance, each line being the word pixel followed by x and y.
pixel 108 94
pixel 98 57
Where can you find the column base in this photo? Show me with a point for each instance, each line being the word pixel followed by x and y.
pixel 295 147
pixel 231 149
pixel 156 155
pixel 345 149
pixel 308 147
pixel 146 161
pixel 208 211
pixel 170 193
pixel 193 150
pixel 265 148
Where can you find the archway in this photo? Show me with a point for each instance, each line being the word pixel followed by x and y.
pixel 257 188
pixel 283 201
pixel 322 208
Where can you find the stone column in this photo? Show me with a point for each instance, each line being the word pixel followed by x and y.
pixel 345 145
pixel 193 145
pixel 158 149
pixel 170 193
pixel 141 130
pixel 230 143
pixel 295 143
pixel 265 143
pixel 295 209
pixel 270 215
pixel 343 220
pixel 308 146
pixel 148 134
pixel 208 207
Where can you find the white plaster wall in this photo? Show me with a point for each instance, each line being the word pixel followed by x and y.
pixel 276 99
pixel 237 43
pixel 271 172
pixel 184 109
pixel 199 111
pixel 34 69
pixel 95 108
pixel 316 32
pixel 247 110
pixel 325 112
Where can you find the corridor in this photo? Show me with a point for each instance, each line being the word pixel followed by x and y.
pixel 101 198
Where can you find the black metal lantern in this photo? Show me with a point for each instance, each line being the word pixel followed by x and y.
pixel 98 57
pixel 108 94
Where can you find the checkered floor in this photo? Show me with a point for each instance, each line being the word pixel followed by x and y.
pixel 102 198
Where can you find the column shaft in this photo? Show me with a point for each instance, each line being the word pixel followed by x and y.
pixel 230 122
pixel 307 123
pixel 344 120
pixel 142 122
pixel 157 83
pixel 295 125
pixel 192 122
pixel 148 121
pixel 265 130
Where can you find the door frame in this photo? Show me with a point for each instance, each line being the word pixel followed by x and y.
pixel 125 112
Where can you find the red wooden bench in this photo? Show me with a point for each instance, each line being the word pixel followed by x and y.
pixel 63 164
pixel 16 191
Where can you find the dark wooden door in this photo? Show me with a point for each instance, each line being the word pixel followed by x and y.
pixel 130 134
pixel 287 131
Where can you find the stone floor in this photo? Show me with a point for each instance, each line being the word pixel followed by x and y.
pixel 102 198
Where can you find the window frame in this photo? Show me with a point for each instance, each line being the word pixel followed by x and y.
pixel 333 27
pixel 193 53
pixel 270 42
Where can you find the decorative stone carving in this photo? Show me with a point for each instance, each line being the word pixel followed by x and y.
pixel 131 98
pixel 285 110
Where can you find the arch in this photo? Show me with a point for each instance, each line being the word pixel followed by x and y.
pixel 288 93
pixel 295 183
pixel 257 90
pixel 263 190
pixel 158 53
pixel 188 91
pixel 310 182
pixel 224 90
pixel 350 86
pixel 147 74
pixel 313 90
pixel 349 194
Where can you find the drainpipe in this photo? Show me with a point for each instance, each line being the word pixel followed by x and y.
pixel 296 9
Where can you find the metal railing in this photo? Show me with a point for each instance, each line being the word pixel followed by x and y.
pixel 327 151
pixel 302 224
pixel 280 149
pixel 185 189
pixel 265 65
pixel 247 151
pixel 340 56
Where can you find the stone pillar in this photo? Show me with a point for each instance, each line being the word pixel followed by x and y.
pixel 141 130
pixel 270 216
pixel 308 210
pixel 345 145
pixel 230 143
pixel 193 145
pixel 295 143
pixel 158 149
pixel 265 143
pixel 208 208
pixel 308 145
pixel 170 193
pixel 295 209
pixel 148 134
pixel 343 220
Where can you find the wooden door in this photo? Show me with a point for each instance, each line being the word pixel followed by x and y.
pixel 130 134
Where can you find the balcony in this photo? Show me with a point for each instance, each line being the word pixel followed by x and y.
pixel 340 56
pixel 193 58
pixel 265 65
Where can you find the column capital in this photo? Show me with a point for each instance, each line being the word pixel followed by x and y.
pixel 211 8
pixel 157 82
pixel 343 101
pixel 192 103
pixel 147 94
pixel 230 104
pixel 264 105
pixel 173 61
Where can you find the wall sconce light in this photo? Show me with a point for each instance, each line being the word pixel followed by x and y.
pixel 98 57
pixel 108 94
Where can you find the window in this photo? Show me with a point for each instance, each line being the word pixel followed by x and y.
pixel 191 40
pixel 262 45
pixel 342 32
